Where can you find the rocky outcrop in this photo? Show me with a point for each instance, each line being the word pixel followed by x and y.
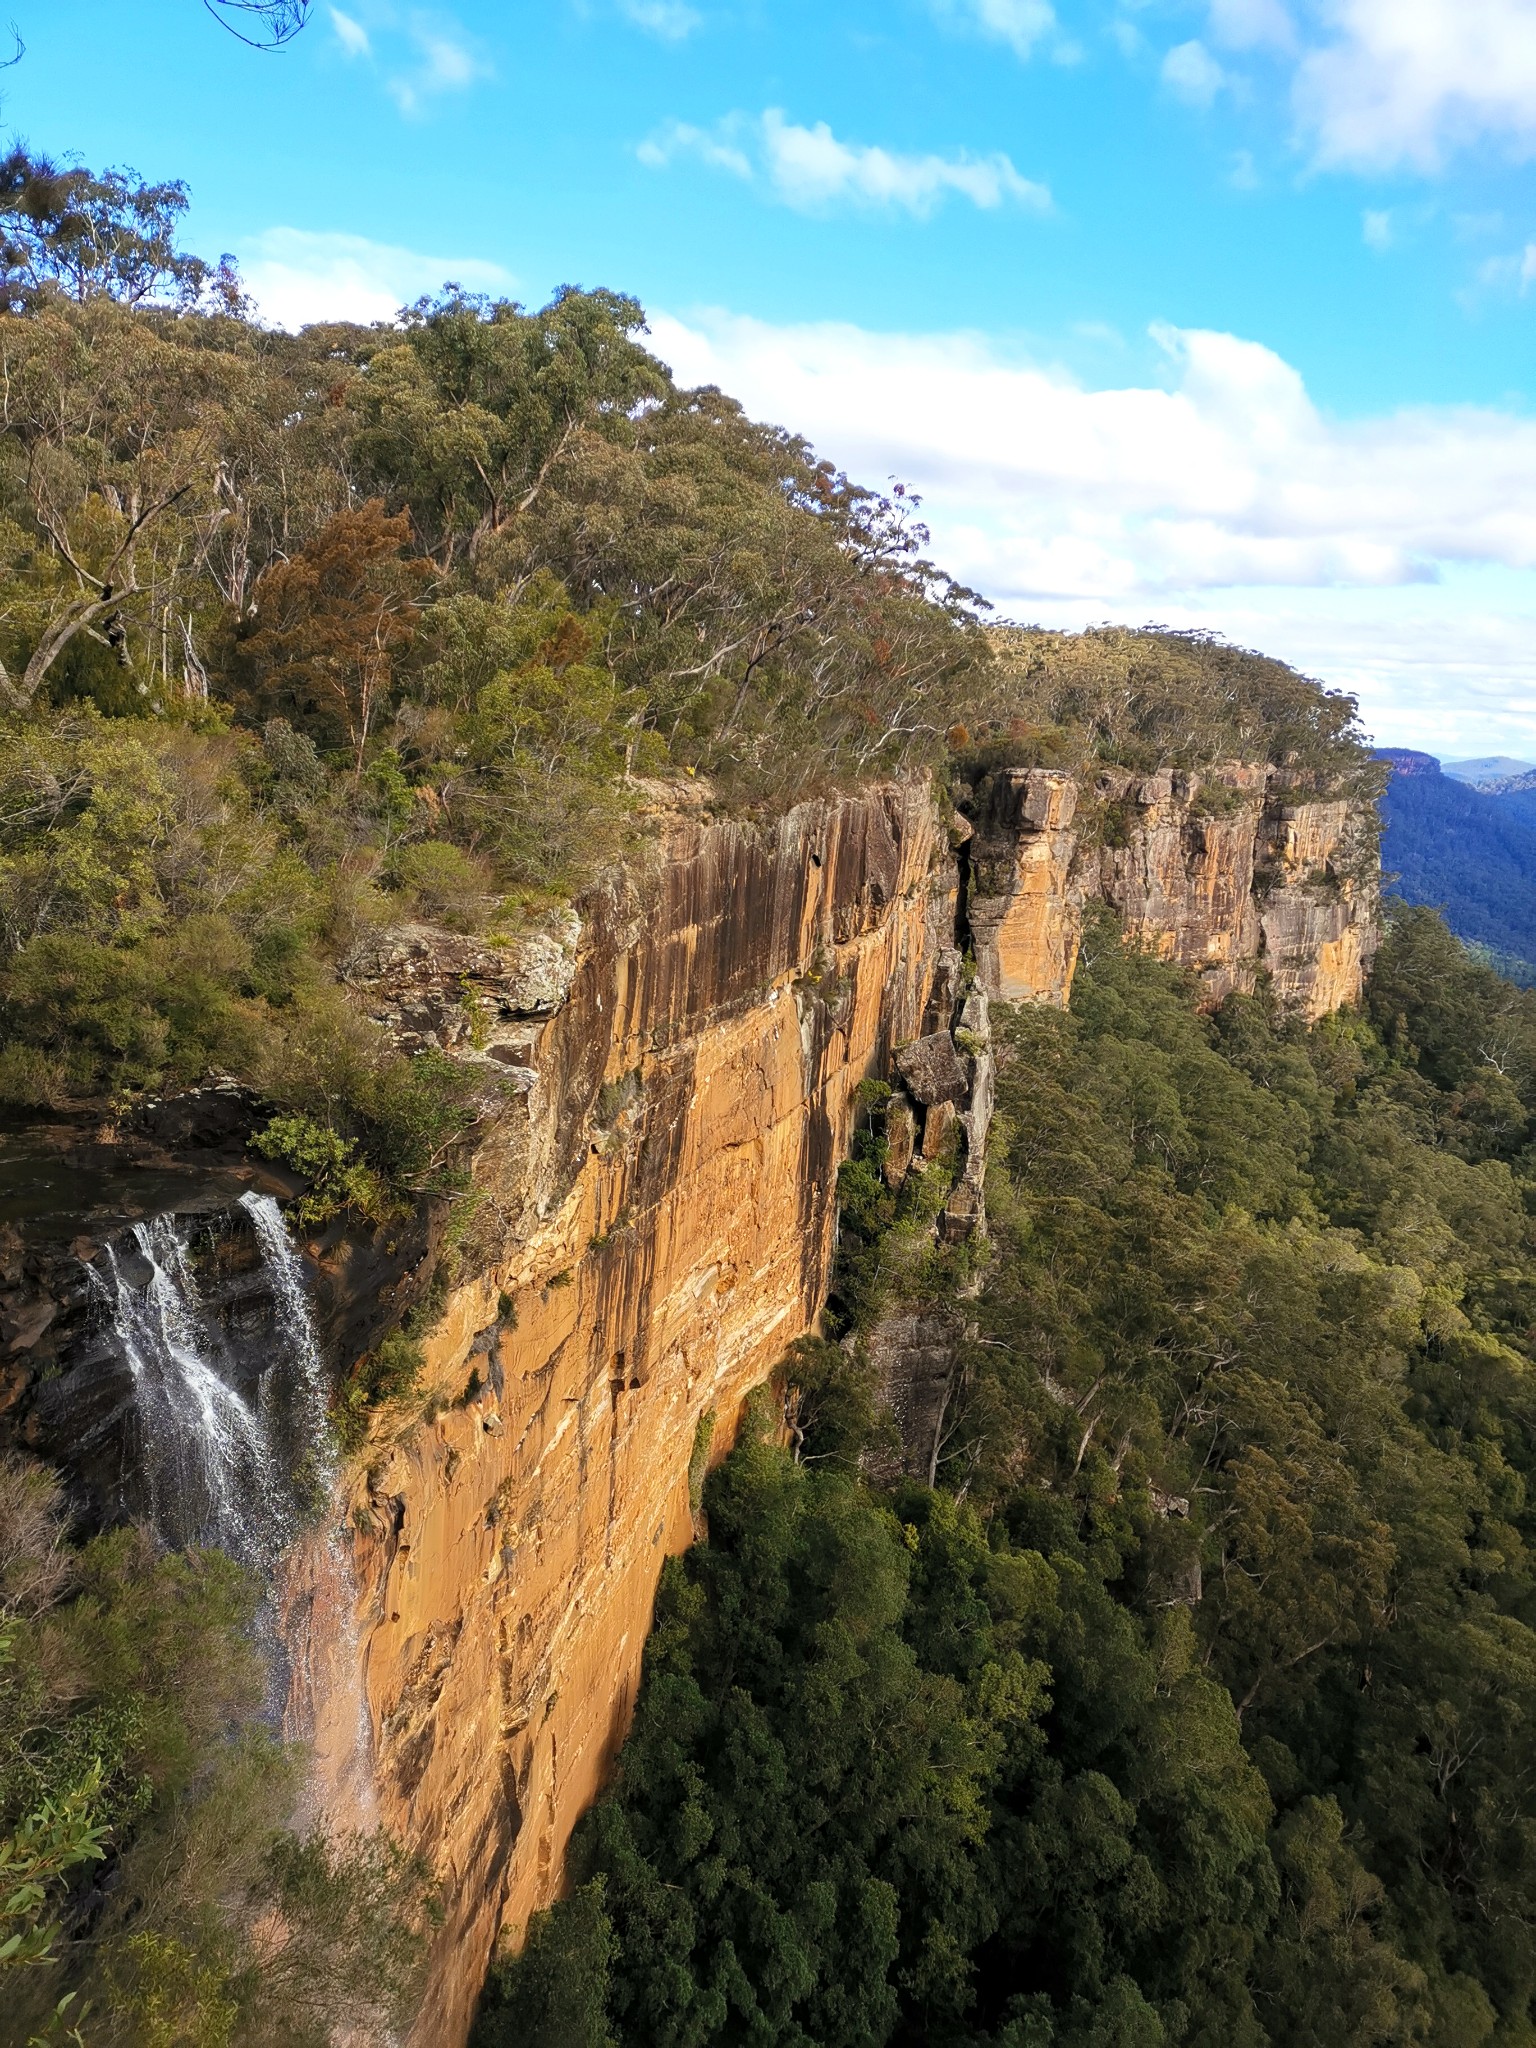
pixel 1025 907
pixel 1234 872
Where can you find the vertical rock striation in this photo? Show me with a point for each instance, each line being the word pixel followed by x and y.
pixel 665 1184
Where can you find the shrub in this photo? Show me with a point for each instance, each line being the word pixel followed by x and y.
pixel 389 1375
pixel 337 1178
pixel 442 882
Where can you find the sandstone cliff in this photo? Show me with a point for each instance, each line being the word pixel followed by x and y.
pixel 1232 872
pixel 676 1068
pixel 666 1188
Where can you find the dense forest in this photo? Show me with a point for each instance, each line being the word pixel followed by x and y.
pixel 1194 1703
pixel 306 634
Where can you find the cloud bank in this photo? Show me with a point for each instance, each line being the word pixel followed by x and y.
pixel 1380 85
pixel 1403 83
pixel 811 169
pixel 1384 553
pixel 1229 475
pixel 297 277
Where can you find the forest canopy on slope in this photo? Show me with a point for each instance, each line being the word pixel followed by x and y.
pixel 303 634
pixel 1468 852
pixel 153 1890
pixel 1194 1703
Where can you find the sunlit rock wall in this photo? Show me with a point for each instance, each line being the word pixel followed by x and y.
pixel 1233 872
pixel 663 1183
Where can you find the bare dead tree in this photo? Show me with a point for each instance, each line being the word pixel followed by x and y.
pixel 260 24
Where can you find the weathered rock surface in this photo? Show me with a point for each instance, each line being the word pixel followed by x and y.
pixel 665 1192
pixel 1233 872
pixel 1025 908
pixel 933 1069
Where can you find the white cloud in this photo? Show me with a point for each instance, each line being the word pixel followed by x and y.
pixel 1251 24
pixel 416 56
pixel 710 146
pixel 1021 24
pixel 296 276
pixel 1396 554
pixel 811 169
pixel 1226 476
pixel 1192 72
pixel 1405 82
pixel 1376 229
pixel 443 59
pixel 1451 668
pixel 1515 272
pixel 672 20
pixel 351 35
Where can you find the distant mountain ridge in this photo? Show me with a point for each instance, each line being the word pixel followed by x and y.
pixel 1467 850
pixel 1489 771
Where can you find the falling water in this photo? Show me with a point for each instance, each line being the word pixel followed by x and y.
pixel 250 1472
pixel 302 1416
pixel 215 1465
pixel 345 1704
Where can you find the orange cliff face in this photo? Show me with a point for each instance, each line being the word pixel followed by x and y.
pixel 1232 872
pixel 677 1072
pixel 663 1184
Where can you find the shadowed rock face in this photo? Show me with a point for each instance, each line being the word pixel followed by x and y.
pixel 76 1200
pixel 674 1070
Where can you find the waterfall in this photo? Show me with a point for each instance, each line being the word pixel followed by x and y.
pixel 303 1418
pixel 234 1450
pixel 213 1464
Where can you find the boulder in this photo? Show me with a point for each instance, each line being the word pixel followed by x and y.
pixel 933 1069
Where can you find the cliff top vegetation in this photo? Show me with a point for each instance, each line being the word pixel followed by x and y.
pixel 305 634
pixel 1154 697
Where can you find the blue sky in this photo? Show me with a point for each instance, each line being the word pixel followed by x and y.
pixel 1213 313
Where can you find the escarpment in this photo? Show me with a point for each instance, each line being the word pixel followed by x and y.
pixel 674 1068
pixel 1232 871
pixel 666 1182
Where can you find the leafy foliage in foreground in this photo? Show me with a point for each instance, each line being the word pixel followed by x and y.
pixel 151 1892
pixel 1193 1706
